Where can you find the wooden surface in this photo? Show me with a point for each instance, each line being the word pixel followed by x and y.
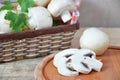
pixel 24 69
pixel 110 69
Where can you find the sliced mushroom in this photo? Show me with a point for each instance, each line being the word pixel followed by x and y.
pixel 87 53
pixel 64 56
pixel 94 64
pixel 74 61
pixel 66 69
pixel 79 65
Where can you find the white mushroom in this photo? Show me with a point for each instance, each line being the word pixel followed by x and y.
pixel 61 8
pixel 79 65
pixel 39 17
pixel 94 64
pixel 42 2
pixel 4 24
pixel 62 62
pixel 94 39
pixel 66 69
pixel 87 53
pixel 71 62
pixel 64 55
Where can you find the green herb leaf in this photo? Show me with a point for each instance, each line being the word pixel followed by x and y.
pixel 25 4
pixel 56 23
pixel 7 5
pixel 17 21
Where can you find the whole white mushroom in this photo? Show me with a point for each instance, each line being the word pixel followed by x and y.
pixel 39 17
pixel 4 24
pixel 94 39
pixel 61 8
pixel 42 2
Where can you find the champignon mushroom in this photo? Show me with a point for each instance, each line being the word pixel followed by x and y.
pixel 61 8
pixel 5 24
pixel 71 62
pixel 79 65
pixel 87 53
pixel 95 40
pixel 94 64
pixel 66 69
pixel 64 56
pixel 39 17
pixel 42 2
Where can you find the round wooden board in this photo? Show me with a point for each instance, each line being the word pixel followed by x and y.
pixel 45 70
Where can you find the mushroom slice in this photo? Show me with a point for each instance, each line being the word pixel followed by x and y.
pixel 64 56
pixel 95 64
pixel 87 53
pixel 66 69
pixel 79 65
pixel 59 60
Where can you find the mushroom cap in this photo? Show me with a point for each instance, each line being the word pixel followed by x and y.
pixel 5 24
pixel 56 7
pixel 94 39
pixel 39 17
pixel 42 2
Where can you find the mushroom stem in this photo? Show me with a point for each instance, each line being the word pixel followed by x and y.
pixel 66 16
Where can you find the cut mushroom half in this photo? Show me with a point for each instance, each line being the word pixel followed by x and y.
pixel 87 53
pixel 94 64
pixel 71 62
pixel 79 65
pixel 66 69
pixel 64 56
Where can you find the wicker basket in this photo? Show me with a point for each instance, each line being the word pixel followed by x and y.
pixel 35 43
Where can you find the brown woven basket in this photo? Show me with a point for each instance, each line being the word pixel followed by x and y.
pixel 35 43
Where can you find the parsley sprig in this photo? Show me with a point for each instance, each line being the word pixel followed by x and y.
pixel 7 5
pixel 18 21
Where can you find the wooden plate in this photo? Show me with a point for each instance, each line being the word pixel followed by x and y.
pixel 45 70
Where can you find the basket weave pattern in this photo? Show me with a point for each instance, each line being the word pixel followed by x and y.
pixel 34 47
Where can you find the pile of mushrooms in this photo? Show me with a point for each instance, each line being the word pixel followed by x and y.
pixel 42 14
pixel 71 62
